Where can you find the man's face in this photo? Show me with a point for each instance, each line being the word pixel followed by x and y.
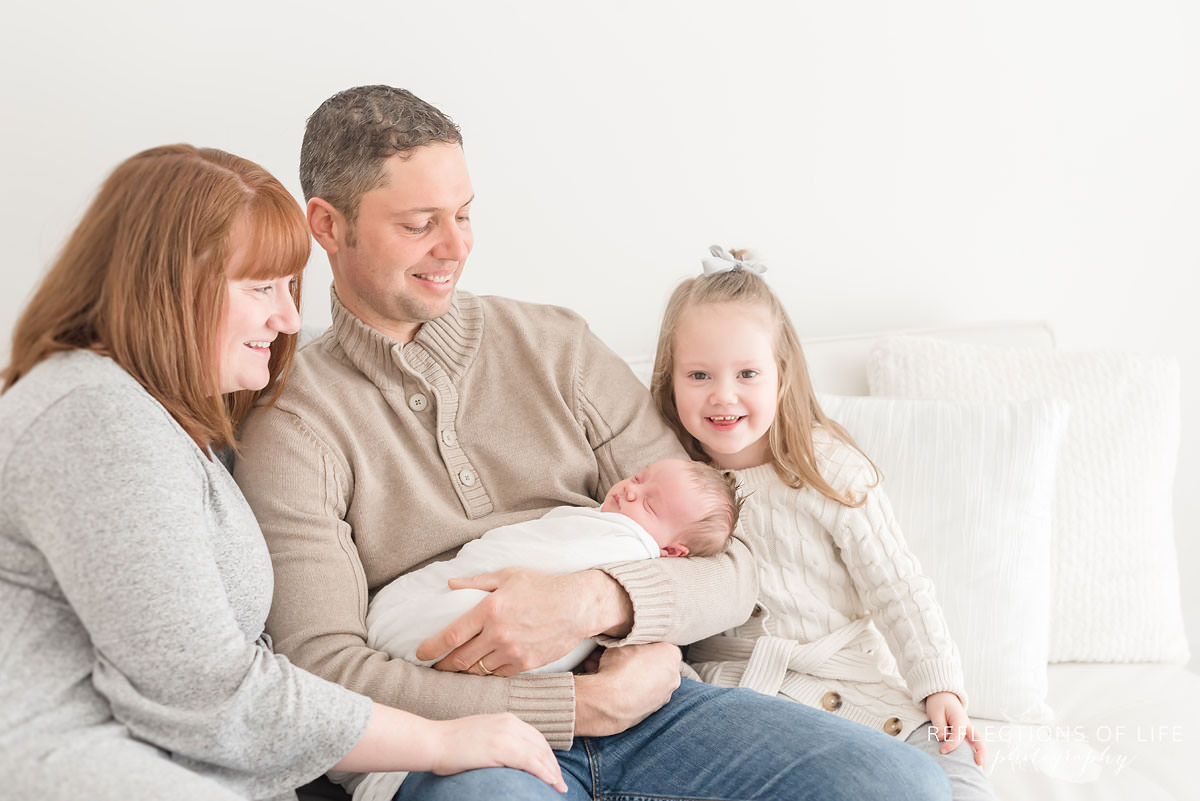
pixel 411 239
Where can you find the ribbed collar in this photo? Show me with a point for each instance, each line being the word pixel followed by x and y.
pixel 451 340
pixel 761 475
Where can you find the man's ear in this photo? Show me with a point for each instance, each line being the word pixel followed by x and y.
pixel 327 224
pixel 674 549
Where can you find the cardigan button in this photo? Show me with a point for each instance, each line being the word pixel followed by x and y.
pixel 893 726
pixel 831 702
pixel 418 402
pixel 467 478
pixel 449 437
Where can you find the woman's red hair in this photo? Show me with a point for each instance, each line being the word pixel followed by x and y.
pixel 142 279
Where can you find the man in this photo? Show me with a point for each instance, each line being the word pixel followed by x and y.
pixel 424 417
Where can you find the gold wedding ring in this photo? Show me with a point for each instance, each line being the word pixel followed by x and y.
pixel 483 667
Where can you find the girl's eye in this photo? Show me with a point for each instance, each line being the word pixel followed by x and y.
pixel 747 374
pixel 697 375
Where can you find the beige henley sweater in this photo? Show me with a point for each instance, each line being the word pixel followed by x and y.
pixel 381 457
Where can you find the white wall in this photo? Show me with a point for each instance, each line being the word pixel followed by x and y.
pixel 901 164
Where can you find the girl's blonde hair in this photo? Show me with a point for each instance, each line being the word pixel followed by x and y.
pixel 142 280
pixel 790 436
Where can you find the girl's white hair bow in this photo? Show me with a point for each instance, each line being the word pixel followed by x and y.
pixel 723 261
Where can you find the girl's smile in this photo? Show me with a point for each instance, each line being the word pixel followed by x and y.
pixel 726 381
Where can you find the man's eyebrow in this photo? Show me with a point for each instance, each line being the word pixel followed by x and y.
pixel 433 209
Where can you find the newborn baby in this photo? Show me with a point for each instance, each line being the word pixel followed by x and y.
pixel 673 507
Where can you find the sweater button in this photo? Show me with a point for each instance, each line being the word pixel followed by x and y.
pixel 467 478
pixel 449 437
pixel 418 402
pixel 893 726
pixel 831 702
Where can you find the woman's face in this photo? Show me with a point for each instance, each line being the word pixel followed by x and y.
pixel 256 311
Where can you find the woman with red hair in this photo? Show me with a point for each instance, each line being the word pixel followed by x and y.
pixel 134 581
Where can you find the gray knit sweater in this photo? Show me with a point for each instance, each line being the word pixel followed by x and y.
pixel 134 585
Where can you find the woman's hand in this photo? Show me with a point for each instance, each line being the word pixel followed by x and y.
pixel 493 741
pixel 949 716
pixel 398 740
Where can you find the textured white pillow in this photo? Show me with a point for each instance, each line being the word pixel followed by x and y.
pixel 1115 578
pixel 972 485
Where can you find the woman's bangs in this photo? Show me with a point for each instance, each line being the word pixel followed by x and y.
pixel 277 242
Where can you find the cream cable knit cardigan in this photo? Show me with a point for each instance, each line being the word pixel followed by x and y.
pixel 831 577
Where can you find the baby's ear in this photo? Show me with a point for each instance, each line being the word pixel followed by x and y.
pixel 674 549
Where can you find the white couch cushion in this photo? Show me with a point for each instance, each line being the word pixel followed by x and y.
pixel 1115 579
pixel 1121 732
pixel 972 484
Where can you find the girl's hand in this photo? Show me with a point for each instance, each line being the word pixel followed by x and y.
pixel 492 741
pixel 947 714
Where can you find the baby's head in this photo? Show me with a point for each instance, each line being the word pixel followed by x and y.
pixel 689 508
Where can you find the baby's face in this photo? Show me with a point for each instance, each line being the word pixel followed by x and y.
pixel 660 498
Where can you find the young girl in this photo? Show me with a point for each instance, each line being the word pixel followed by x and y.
pixel 730 377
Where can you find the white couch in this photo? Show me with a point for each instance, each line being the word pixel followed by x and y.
pixel 1118 730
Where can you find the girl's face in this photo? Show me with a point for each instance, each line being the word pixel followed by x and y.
pixel 727 381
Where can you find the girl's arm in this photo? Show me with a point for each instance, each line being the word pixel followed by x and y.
pixel 900 598
pixel 397 740
pixel 888 577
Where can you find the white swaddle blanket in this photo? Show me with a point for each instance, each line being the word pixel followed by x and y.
pixel 419 604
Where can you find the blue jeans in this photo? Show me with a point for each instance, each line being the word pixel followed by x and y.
pixel 716 743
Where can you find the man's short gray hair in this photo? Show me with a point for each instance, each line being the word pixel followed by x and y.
pixel 348 138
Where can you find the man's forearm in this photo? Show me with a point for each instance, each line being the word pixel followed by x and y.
pixel 684 600
pixel 545 701
pixel 612 605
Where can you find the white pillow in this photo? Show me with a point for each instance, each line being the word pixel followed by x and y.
pixel 972 486
pixel 1115 578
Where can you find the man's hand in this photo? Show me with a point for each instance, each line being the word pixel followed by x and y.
pixel 949 717
pixel 529 620
pixel 630 684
